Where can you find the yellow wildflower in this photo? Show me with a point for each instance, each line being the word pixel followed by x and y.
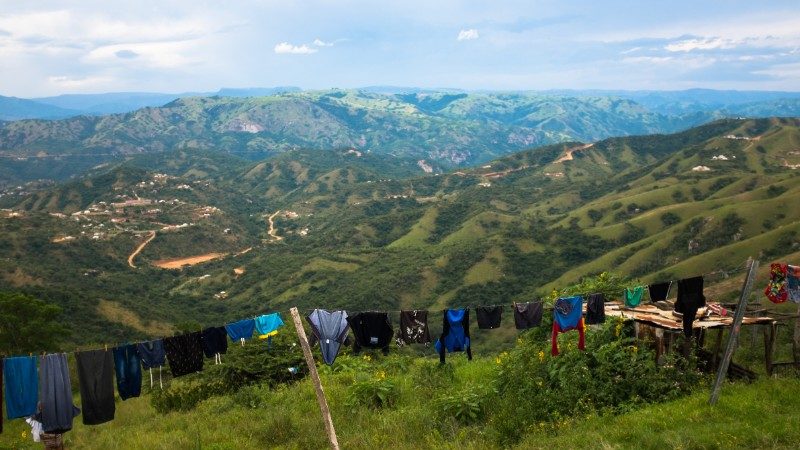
pixel 367 358
pixel 381 375
pixel 24 435
pixel 541 355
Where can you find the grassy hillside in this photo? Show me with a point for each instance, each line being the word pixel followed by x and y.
pixel 361 231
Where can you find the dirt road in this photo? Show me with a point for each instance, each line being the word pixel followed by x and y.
pixel 140 248
pixel 271 231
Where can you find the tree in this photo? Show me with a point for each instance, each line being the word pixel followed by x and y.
pixel 28 324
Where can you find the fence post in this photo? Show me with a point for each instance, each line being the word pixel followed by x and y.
pixel 736 327
pixel 312 369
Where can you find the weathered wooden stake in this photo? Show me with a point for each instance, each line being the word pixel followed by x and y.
pixel 796 341
pixel 736 327
pixel 312 369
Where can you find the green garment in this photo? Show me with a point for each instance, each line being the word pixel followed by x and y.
pixel 634 296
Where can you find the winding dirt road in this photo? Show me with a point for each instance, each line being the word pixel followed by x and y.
pixel 140 248
pixel 271 231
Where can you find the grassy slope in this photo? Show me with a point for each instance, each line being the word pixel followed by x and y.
pixel 759 415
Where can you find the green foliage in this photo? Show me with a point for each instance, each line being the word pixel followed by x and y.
pixel 670 218
pixel 376 391
pixel 256 363
pixel 615 374
pixel 28 324
pixel 467 406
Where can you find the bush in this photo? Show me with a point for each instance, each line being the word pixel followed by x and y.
pixel 467 406
pixel 615 374
pixel 670 218
pixel 256 363
pixel 374 392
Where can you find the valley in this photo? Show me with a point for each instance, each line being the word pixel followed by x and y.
pixel 338 230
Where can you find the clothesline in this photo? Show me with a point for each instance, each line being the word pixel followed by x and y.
pixel 725 272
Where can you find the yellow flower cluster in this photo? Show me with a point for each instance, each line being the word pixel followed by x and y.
pixel 541 355
pixel 381 375
pixel 367 358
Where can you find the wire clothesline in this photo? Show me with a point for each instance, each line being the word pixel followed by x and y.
pixel 725 272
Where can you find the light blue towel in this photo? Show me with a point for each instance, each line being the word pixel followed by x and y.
pixel 22 386
pixel 268 324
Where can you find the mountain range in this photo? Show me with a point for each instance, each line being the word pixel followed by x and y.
pixel 351 229
pixel 445 129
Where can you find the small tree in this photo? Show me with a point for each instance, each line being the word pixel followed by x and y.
pixel 28 324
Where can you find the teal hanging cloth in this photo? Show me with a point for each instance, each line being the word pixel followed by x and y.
pixel 633 296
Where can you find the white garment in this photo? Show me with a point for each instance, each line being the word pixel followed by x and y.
pixel 36 429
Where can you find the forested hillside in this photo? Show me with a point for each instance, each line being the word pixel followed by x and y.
pixel 346 229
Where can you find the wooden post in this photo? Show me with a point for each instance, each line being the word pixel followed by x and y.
pixel 312 369
pixel 769 345
pixel 796 341
pixel 717 347
pixel 736 327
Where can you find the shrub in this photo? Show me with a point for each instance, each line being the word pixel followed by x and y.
pixel 467 406
pixel 670 218
pixel 615 374
pixel 256 363
pixel 373 392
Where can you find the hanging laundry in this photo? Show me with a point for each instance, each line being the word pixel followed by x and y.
pixel 371 330
pixel 330 329
pixel 776 290
pixel 659 291
pixel 488 316
pixel 55 398
pixel 793 283
pixel 184 353
pixel 528 315
pixel 567 316
pixel 96 380
pixel 153 356
pixel 413 328
pixel 455 333
pixel 690 299
pixel 595 309
pixel 267 325
pixel 22 386
pixel 241 330
pixel 215 343
pixel 633 296
pixel 1 395
pixel 128 369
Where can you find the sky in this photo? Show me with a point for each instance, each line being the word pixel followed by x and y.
pixel 90 46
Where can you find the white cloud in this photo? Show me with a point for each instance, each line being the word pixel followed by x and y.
pixel 320 43
pixel 287 48
pixel 66 82
pixel 713 43
pixel 468 35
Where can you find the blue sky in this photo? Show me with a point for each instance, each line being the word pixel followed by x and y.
pixel 54 47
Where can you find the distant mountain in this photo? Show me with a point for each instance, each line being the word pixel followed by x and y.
pixel 446 129
pixel 122 102
pixel 13 108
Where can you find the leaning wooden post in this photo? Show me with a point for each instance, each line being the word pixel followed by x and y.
pixel 736 326
pixel 312 369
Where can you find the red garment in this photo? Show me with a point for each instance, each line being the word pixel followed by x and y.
pixel 557 329
pixel 776 290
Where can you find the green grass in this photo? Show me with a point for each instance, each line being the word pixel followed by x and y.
pixel 759 415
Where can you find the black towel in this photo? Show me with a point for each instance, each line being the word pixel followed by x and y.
pixel 413 328
pixel 371 330
pixel 528 315
pixel 215 340
pixel 595 309
pixel 690 299
pixel 96 379
pixel 489 316
pixel 659 291
pixel 184 353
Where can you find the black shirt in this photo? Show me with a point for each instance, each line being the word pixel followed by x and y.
pixel 488 316
pixel 528 315
pixel 184 353
pixel 372 330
